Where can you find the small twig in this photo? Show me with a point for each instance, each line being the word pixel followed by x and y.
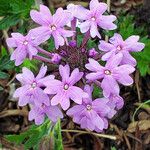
pixel 14 112
pixel 96 134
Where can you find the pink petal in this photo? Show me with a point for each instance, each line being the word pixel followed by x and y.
pixel 54 113
pixel 106 22
pixel 62 17
pixel 19 55
pixel 43 17
pixel 125 79
pixel 53 86
pixel 59 40
pixel 75 76
pixel 17 36
pixel 27 75
pixel 94 30
pixel 109 85
pixel 116 40
pixel 42 72
pixel 93 65
pixel 128 59
pixel 132 39
pixel 75 110
pixel 104 46
pixel 95 76
pixel 32 51
pixel 97 6
pixel 124 69
pixel 40 97
pixel 84 27
pixel 11 42
pixel 21 91
pixel 64 72
pixel 45 79
pixel 108 55
pixel 114 61
pixel 80 12
pixel 76 94
pixel 39 35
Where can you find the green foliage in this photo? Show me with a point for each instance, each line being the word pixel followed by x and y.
pixel 97 92
pixel 57 136
pixel 13 11
pixel 30 64
pixel 37 137
pixel 5 65
pixel 126 28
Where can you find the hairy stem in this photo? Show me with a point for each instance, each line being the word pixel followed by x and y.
pixel 44 52
pixel 41 58
pixel 86 38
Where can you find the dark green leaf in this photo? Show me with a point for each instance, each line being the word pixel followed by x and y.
pixel 3 75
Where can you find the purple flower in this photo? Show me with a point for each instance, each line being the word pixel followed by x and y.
pixel 65 90
pixel 52 25
pixel 56 58
pixel 31 90
pixel 38 113
pixel 91 114
pixel 110 74
pixel 94 18
pixel 115 103
pixel 118 45
pixel 92 52
pixel 26 46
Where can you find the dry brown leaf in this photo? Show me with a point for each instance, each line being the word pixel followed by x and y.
pixel 142 125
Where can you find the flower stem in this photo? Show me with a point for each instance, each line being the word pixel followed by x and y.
pixel 41 58
pixel 86 38
pixel 112 137
pixel 44 52
pixel 73 27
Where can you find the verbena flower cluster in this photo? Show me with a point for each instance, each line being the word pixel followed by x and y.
pixel 70 86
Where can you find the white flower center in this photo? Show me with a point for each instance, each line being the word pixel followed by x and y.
pixel 93 18
pixel 32 38
pixel 119 48
pixel 53 27
pixel 33 85
pixel 66 86
pixel 25 42
pixel 88 107
pixel 107 72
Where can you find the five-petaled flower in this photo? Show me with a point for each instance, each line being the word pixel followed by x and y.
pixel 38 113
pixel 110 74
pixel 31 91
pixel 65 90
pixel 94 17
pixel 91 114
pixel 26 46
pixel 118 45
pixel 52 25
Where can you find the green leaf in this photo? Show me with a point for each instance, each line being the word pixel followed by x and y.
pixel 3 75
pixel 32 137
pixel 6 63
pixel 3 51
pixel 58 136
pixel 8 21
pixel 31 64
